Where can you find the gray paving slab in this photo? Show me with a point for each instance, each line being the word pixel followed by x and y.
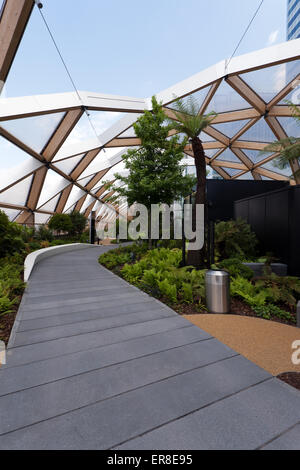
pixel 244 421
pixel 48 370
pixel 61 396
pixel 106 424
pixel 94 363
pixel 109 305
pixel 86 315
pixel 79 328
pixel 59 347
pixel 289 440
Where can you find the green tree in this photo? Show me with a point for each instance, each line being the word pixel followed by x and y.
pixel 187 120
pixel 155 174
pixel 60 222
pixel 78 222
pixel 11 240
pixel 288 148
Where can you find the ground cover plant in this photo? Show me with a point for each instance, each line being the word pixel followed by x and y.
pixel 16 242
pixel 158 272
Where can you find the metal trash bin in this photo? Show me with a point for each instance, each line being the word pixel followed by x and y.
pixel 217 291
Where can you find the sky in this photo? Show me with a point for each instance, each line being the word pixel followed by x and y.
pixel 138 47
pixel 134 48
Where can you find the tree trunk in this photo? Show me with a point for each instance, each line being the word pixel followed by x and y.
pixel 198 258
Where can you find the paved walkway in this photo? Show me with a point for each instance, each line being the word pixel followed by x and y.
pixel 96 364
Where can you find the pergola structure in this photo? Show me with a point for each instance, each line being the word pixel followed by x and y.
pixel 247 92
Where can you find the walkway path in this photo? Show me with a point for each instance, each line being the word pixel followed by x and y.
pixel 96 364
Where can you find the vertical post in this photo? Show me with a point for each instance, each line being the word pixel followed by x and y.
pixel 92 227
pixel 183 262
pixel 212 241
pixel 298 314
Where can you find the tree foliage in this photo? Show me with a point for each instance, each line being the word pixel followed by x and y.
pixel 11 240
pixel 155 174
pixel 288 148
pixel 189 121
pixel 78 222
pixel 61 223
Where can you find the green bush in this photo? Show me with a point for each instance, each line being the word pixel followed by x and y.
pixel 157 271
pixel 11 283
pixel 43 233
pixel 281 289
pixel 241 287
pixel 234 239
pixel 78 223
pixel 270 311
pixel 60 223
pixel 168 290
pixel 11 239
pixel 235 267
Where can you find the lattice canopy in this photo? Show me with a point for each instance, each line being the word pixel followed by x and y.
pixel 62 164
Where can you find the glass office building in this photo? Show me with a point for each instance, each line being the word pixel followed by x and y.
pixel 293 19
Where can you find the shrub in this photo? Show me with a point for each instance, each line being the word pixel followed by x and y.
pixel 234 239
pixel 168 290
pixel 11 240
pixel 241 287
pixel 235 267
pixel 281 289
pixel 11 284
pixel 61 223
pixel 269 311
pixel 43 233
pixel 78 223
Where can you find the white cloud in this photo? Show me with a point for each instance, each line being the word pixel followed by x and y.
pixel 272 37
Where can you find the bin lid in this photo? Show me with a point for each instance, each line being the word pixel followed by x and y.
pixel 216 273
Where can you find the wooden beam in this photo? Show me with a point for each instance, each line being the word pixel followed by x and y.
pixel 243 144
pixel 281 134
pixel 15 16
pixel 36 188
pixel 236 116
pixel 221 172
pixel 108 195
pixel 217 135
pixel 271 174
pixel 243 157
pixel 283 93
pixel 63 199
pixel 80 203
pixel 89 209
pixel 281 111
pixel 244 129
pixel 60 135
pixel 124 142
pixel 209 96
pixel 84 163
pixel 26 218
pixel 256 175
pixel 91 184
pixel 227 164
pixel 247 93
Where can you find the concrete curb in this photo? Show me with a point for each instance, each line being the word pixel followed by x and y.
pixel 33 258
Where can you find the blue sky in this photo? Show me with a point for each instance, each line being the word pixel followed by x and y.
pixel 137 48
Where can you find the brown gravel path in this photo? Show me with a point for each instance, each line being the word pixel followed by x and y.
pixel 266 343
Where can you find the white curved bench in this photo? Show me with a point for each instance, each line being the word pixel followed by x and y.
pixel 36 256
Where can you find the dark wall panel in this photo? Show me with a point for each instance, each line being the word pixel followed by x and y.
pixel 275 218
pixel 221 194
pixel 257 215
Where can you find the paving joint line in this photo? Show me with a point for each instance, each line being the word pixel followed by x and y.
pixel 132 390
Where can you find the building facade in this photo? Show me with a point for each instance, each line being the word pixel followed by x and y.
pixel 293 19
